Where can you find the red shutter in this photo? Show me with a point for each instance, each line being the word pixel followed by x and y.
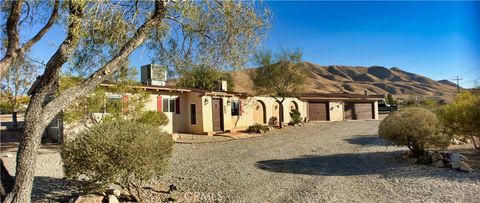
pixel 177 105
pixel 125 102
pixel 159 103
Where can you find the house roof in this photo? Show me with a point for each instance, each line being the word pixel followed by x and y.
pixel 181 90
pixel 340 96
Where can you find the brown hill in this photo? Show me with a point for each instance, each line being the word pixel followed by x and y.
pixel 356 79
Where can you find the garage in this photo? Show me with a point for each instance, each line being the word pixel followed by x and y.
pixel 318 111
pixel 359 111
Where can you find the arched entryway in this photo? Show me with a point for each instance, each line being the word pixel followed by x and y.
pixel 277 113
pixel 259 115
pixel 292 105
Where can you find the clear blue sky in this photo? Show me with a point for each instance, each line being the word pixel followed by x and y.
pixel 436 39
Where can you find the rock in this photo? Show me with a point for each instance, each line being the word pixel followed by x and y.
pixel 436 156
pixel 89 199
pixel 112 199
pixel 438 164
pixel 463 158
pixel 115 192
pixel 455 141
pixel 454 158
pixel 465 167
pixel 175 136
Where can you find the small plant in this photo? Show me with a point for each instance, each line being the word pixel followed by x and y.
pixel 257 128
pixel 296 116
pixel 117 151
pixel 414 127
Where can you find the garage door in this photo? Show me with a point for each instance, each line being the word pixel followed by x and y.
pixel 358 111
pixel 318 111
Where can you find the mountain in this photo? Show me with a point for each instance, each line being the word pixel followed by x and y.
pixel 356 79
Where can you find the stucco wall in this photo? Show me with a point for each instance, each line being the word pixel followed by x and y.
pixel 336 110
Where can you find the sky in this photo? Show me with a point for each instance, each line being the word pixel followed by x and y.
pixel 439 40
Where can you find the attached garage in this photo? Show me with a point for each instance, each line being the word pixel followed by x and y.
pixel 318 111
pixel 359 110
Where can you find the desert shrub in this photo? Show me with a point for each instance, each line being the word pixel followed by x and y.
pixel 152 118
pixel 414 127
pixel 117 151
pixel 257 128
pixel 296 116
pixel 462 117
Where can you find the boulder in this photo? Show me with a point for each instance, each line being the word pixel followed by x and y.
pixel 454 158
pixel 115 192
pixel 465 167
pixel 438 164
pixel 112 199
pixel 436 156
pixel 89 199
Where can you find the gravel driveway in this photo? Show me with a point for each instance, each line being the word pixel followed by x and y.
pixel 330 161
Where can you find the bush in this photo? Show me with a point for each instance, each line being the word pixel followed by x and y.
pixel 119 152
pixel 257 128
pixel 414 127
pixel 462 117
pixel 296 116
pixel 152 118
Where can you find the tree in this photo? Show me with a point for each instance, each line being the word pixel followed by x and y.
pixel 101 35
pixel 15 85
pixel 204 77
pixel 462 117
pixel 391 101
pixel 414 127
pixel 279 76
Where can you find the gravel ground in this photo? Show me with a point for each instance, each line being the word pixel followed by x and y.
pixel 334 162
pixel 319 162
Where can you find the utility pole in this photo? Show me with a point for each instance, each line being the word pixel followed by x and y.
pixel 458 83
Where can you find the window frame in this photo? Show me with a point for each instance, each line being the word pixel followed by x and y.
pixel 237 112
pixel 169 105
pixel 193 114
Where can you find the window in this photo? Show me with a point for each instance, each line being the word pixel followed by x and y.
pixel 235 108
pixel 168 105
pixel 193 114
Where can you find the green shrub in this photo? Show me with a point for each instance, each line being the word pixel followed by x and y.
pixel 414 127
pixel 152 118
pixel 257 128
pixel 462 117
pixel 296 116
pixel 117 151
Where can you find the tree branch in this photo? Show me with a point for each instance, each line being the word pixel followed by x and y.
pixel 13 37
pixel 48 25
pixel 70 95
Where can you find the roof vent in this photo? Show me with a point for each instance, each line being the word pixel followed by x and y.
pixel 153 74
pixel 222 86
pixel 365 92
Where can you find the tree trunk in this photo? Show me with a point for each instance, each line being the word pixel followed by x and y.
pixel 280 114
pixel 14 119
pixel 35 124
pixel 6 183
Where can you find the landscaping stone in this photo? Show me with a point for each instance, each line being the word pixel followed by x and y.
pixel 454 158
pixel 438 164
pixel 112 199
pixel 437 156
pixel 89 199
pixel 465 167
pixel 115 192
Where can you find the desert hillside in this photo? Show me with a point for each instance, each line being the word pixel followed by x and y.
pixel 355 79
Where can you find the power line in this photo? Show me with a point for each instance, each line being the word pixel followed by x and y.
pixel 469 71
pixel 470 81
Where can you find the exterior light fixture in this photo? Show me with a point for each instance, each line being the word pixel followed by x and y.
pixel 205 102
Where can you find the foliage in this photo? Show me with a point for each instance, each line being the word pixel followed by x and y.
pixel 257 128
pixel 17 81
pixel 296 116
pixel 414 127
pixel 204 77
pixel 390 100
pixel 117 151
pixel 462 117
pixel 152 118
pixel 281 76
